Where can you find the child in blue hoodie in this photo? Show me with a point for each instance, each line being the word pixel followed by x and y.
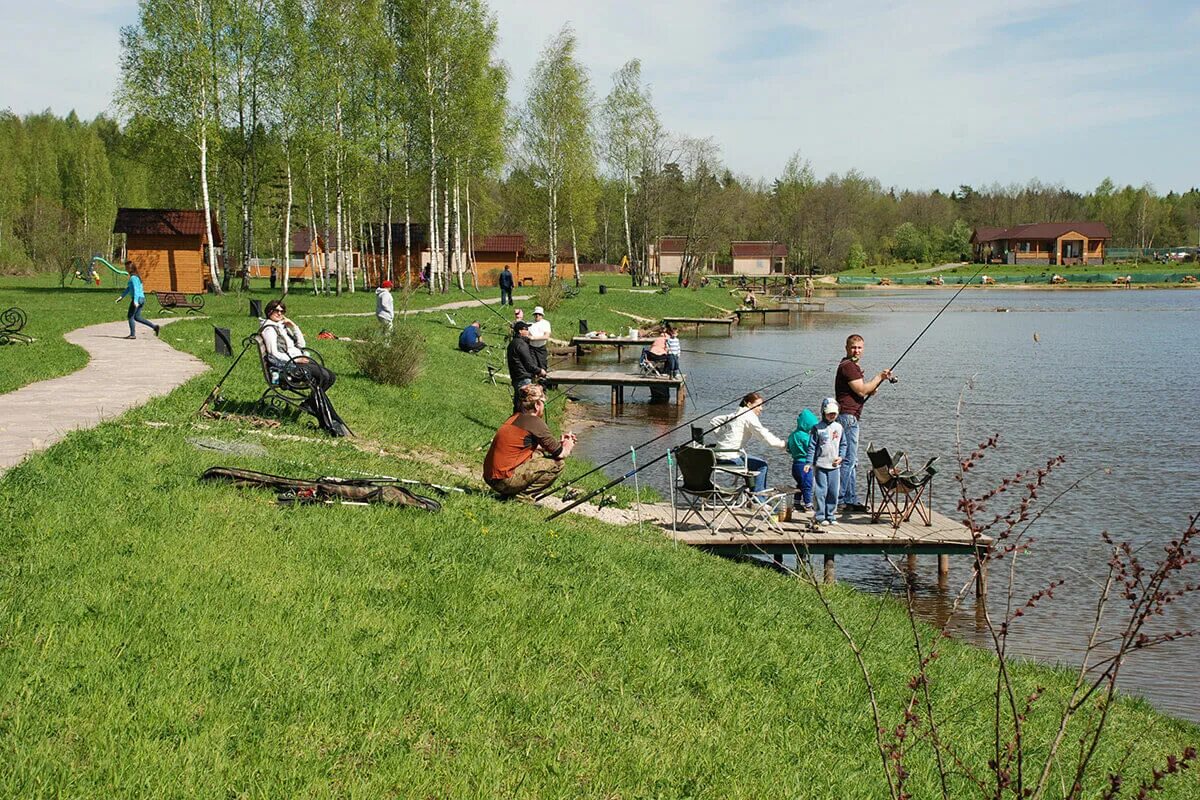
pixel 826 451
pixel 797 445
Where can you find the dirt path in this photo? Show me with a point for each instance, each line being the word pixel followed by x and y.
pixel 443 307
pixel 120 375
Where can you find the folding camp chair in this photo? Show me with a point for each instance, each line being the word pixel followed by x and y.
pixel 901 491
pixel 705 499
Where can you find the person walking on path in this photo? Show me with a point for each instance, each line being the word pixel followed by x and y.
pixel 506 286
pixel 851 390
pixel 525 456
pixel 471 340
pixel 385 310
pixel 732 430
pixel 522 366
pixel 539 338
pixel 826 453
pixel 137 299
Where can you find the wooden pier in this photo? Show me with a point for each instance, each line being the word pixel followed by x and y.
pixel 617 381
pixel 698 321
pixel 764 312
pixel 619 342
pixel 804 306
pixel 854 534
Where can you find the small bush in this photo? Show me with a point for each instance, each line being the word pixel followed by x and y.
pixel 393 357
pixel 550 297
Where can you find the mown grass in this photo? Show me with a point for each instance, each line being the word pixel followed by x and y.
pixel 159 637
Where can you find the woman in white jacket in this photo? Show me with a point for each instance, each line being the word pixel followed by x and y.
pixel 732 430
pixel 285 350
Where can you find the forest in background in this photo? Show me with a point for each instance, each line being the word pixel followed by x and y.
pixel 280 114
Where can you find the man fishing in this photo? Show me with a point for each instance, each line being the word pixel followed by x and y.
pixel 851 389
pixel 523 368
pixel 525 456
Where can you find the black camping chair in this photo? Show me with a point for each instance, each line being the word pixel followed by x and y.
pixel 901 491
pixel 695 481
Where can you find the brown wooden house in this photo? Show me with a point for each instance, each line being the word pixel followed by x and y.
pixel 169 247
pixel 1050 243
pixel 492 253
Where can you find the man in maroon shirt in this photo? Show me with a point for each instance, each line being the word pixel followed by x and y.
pixel 512 465
pixel 852 390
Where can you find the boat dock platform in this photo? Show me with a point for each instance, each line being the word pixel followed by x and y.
pixel 619 342
pixel 854 534
pixel 618 381
pixel 698 321
pixel 742 313
pixel 804 306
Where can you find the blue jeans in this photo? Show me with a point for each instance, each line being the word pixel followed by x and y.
pixel 825 495
pixel 804 482
pixel 505 296
pixel 135 314
pixel 753 464
pixel 517 392
pixel 849 488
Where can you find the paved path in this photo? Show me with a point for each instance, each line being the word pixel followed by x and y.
pixel 119 375
pixel 443 307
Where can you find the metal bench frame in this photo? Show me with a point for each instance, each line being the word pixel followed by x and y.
pixel 172 301
pixel 284 392
pixel 12 320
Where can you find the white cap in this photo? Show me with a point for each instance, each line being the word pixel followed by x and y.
pixel 829 405
pixel 538 310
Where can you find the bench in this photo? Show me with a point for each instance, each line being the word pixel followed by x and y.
pixel 12 320
pixel 171 301
pixel 283 391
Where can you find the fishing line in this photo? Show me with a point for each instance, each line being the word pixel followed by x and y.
pixel 666 453
pixel 982 267
pixel 750 358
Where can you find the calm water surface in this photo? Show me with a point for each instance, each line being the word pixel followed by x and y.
pixel 1108 379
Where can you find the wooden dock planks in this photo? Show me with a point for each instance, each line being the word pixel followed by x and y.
pixel 618 381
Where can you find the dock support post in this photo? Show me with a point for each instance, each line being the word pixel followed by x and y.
pixel 912 562
pixel 943 565
pixel 613 398
pixel 830 569
pixel 981 579
pixel 680 394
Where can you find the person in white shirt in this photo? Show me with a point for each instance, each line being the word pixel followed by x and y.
pixel 539 337
pixel 732 430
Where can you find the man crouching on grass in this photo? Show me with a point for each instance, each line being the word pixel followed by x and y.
pixel 513 466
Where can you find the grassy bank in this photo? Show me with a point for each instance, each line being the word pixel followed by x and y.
pixel 163 638
pixel 1088 275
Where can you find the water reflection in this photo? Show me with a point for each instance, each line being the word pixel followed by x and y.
pixel 1108 380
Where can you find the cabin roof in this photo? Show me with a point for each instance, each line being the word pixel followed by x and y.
pixel 1041 230
pixel 501 243
pixel 166 222
pixel 758 250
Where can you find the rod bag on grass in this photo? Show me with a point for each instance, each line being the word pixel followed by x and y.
pixel 353 490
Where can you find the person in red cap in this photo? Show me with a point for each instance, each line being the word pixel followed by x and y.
pixel 384 309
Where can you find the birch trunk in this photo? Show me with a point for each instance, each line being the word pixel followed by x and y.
pixel 444 283
pixel 287 225
pixel 471 241
pixel 458 245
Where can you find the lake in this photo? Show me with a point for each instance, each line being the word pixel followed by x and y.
pixel 1108 379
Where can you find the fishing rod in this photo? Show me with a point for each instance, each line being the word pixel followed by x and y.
pixel 665 434
pixel 216 390
pixel 966 283
pixel 656 459
pixel 737 355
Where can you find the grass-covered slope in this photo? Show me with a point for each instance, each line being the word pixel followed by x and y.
pixel 159 637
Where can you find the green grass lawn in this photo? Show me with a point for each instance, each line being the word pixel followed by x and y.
pixel 1035 270
pixel 159 637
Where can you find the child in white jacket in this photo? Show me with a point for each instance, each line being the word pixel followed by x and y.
pixel 826 449
pixel 385 310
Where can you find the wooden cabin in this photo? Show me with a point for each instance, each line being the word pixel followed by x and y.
pixel 169 247
pixel 492 253
pixel 758 258
pixel 404 258
pixel 1050 243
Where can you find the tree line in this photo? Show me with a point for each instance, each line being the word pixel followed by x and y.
pixel 345 116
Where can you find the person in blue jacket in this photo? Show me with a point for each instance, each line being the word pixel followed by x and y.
pixel 797 445
pixel 471 340
pixel 506 286
pixel 137 299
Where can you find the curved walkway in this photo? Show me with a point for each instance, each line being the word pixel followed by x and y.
pixel 119 375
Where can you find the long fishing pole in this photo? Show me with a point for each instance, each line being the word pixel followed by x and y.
pixel 656 459
pixel 967 283
pixel 216 390
pixel 681 425
pixel 737 355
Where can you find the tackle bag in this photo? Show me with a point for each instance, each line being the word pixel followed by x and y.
pixel 298 490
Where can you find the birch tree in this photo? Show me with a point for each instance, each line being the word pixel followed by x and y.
pixel 168 74
pixel 556 129
pixel 628 117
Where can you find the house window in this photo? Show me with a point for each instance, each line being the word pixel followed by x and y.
pixel 1024 247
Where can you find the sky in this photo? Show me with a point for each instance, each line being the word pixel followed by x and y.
pixel 920 94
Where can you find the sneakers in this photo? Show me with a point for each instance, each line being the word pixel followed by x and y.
pixel 131 336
